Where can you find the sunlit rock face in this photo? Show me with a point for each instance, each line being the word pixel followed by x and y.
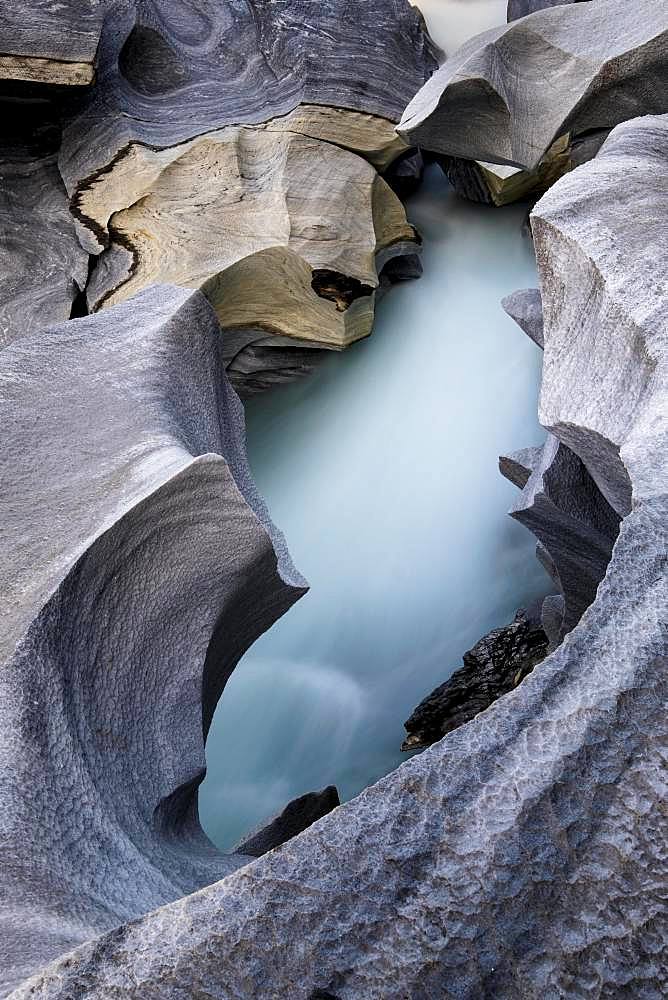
pixel 525 853
pixel 140 563
pixel 270 148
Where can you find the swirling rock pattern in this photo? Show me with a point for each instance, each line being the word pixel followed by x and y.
pixel 42 265
pixel 269 148
pixel 284 234
pixel 525 855
pixel 509 93
pixel 139 565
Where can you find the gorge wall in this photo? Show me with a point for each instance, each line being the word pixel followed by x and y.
pixel 525 853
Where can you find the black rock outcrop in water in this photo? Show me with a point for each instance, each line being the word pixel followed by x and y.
pixel 497 663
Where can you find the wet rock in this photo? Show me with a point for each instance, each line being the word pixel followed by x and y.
pixel 495 665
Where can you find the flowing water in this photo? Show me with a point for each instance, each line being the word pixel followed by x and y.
pixel 381 469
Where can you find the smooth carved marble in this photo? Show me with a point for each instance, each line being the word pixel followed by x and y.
pixel 524 855
pixel 167 72
pixel 509 93
pixel 138 565
pixel 285 234
pixel 270 150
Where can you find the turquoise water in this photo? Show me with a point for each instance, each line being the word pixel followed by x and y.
pixel 382 471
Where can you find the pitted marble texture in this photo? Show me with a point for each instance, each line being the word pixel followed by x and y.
pixel 525 855
pixel 138 564
pixel 509 93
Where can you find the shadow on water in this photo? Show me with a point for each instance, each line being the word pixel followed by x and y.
pixel 382 470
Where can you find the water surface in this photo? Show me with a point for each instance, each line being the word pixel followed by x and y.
pixel 382 470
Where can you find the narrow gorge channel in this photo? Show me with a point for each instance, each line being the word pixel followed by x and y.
pixel 381 469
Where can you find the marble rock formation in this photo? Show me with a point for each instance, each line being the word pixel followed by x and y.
pixel 139 563
pixel 495 665
pixel 526 308
pixel 50 43
pixel 525 854
pixel 522 97
pixel 252 173
pixel 520 8
pixel 42 265
pixel 575 525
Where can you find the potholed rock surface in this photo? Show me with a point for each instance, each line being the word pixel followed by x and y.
pixel 525 854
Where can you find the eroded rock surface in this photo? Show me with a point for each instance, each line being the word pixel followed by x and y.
pixel 42 265
pixel 271 151
pixel 576 526
pixel 525 854
pixel 508 95
pixel 520 8
pixel 138 563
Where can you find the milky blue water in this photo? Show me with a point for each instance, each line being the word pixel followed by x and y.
pixel 382 471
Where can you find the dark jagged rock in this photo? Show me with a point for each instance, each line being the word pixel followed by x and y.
pixel 520 8
pixel 510 93
pixel 460 873
pixel 576 526
pixel 526 308
pixel 497 663
pixel 139 564
pixel 405 174
pixel 517 468
pixel 297 816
